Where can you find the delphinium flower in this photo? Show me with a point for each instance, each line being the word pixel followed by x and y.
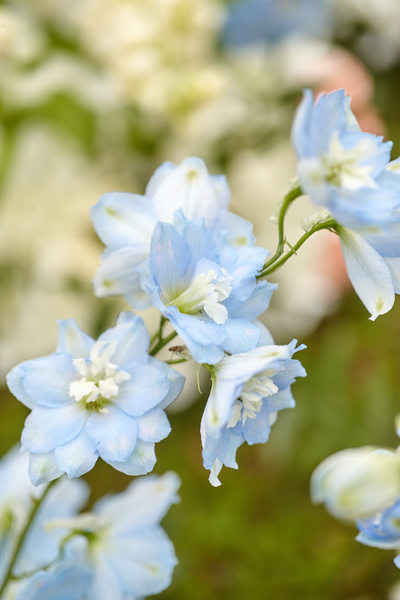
pixel 348 173
pixel 91 399
pixel 206 288
pixel 248 390
pixel 117 551
pixel 17 497
pixel 253 22
pixel 357 483
pixel 125 223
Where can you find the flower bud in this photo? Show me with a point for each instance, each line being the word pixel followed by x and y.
pixel 357 483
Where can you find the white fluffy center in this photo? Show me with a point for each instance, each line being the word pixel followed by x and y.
pixel 206 292
pixel 249 404
pixel 100 378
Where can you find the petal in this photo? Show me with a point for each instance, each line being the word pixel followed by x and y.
pixel 43 468
pixel 147 387
pixel 47 428
pixel 176 382
pixel 113 434
pixel 153 426
pixel 117 274
pixel 47 379
pixel 189 187
pixel 77 456
pixel 14 382
pixel 241 336
pixel 143 562
pixel 393 265
pixel 72 340
pixel 131 337
pixel 122 219
pixel 170 260
pixel 368 273
pixel 140 462
pixel 144 502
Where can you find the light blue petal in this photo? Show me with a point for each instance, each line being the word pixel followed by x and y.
pixel 140 462
pixel 385 240
pixel 67 584
pixel 122 219
pixel 47 428
pixel 131 338
pixel 170 261
pixel 117 274
pixel 43 468
pixel 203 337
pixel 147 387
pixel 238 231
pixel 241 336
pixel 257 303
pixel 153 426
pixel 393 265
pixel 72 340
pixel 144 562
pixel 256 431
pixel 176 382
pixel 14 382
pixel 368 273
pixel 47 379
pixel 144 502
pixel 113 434
pixel 77 456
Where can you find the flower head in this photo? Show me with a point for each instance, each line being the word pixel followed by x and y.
pixel 206 288
pixel 92 399
pixel 357 483
pixel 248 390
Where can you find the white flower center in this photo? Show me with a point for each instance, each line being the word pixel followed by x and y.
pixel 98 384
pixel 206 292
pixel 250 402
pixel 343 167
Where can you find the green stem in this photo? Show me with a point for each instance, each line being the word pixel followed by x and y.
pixel 330 224
pixel 287 201
pixel 162 342
pixel 36 503
pixel 158 333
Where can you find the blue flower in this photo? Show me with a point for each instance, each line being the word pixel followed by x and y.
pixel 248 390
pixel 348 171
pixel 92 399
pixel 251 22
pixel 119 550
pixel 340 165
pixel 41 546
pixel 206 288
pixel 125 223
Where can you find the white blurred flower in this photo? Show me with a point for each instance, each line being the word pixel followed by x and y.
pixel 357 483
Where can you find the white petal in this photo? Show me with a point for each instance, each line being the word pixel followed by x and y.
pixel 368 273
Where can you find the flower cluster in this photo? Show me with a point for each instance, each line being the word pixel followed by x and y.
pixel 179 249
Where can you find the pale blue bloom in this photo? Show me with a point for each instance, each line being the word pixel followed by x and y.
pixel 248 390
pixel 119 550
pixel 348 171
pixel 206 288
pixel 251 22
pixel 41 546
pixel 339 165
pixel 92 399
pixel 125 222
